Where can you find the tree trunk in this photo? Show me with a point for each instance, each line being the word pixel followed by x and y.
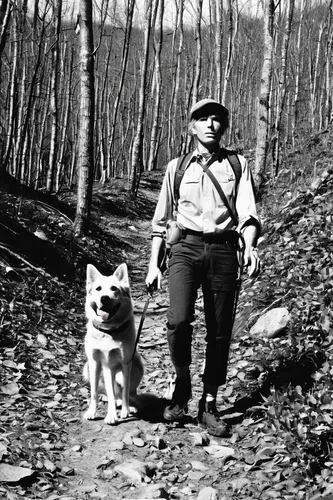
pixel 198 65
pixel 86 125
pixel 12 116
pixel 264 98
pixel 125 52
pixel 218 50
pixel 314 83
pixel 6 7
pixel 158 41
pixel 198 62
pixel 64 124
pixel 174 116
pixel 136 162
pixel 282 82
pixel 54 105
pixel 232 33
pixel 297 74
pixel 329 56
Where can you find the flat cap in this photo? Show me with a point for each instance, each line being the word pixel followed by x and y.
pixel 214 106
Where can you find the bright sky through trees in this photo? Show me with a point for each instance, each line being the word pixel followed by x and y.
pixel 71 7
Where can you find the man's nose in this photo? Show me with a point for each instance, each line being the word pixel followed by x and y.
pixel 210 121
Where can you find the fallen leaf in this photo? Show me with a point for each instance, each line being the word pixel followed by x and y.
pixel 135 470
pixel 10 389
pixel 196 465
pixel 218 451
pixel 13 474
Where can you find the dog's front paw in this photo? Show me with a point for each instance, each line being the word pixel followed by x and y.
pixel 90 414
pixel 133 410
pixel 111 419
pixel 124 413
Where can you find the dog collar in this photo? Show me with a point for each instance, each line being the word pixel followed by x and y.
pixel 110 331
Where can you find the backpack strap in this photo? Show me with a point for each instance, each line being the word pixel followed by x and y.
pixel 234 162
pixel 182 163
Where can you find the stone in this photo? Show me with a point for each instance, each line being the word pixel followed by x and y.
pixel 207 493
pixel 273 323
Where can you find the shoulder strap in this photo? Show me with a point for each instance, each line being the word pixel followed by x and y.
pixel 182 163
pixel 235 164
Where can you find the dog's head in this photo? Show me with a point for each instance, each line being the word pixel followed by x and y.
pixel 108 297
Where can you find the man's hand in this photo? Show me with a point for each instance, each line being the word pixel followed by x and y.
pixel 251 261
pixel 154 277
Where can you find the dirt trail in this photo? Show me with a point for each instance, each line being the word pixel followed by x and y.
pixel 145 457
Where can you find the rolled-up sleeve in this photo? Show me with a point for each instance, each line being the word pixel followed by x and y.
pixel 165 204
pixel 245 201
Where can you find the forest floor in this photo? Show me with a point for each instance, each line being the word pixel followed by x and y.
pixel 278 397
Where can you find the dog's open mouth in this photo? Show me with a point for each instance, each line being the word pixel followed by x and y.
pixel 105 315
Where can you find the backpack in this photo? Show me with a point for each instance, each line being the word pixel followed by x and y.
pixel 182 164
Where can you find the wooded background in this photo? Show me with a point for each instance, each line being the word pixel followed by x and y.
pixel 90 94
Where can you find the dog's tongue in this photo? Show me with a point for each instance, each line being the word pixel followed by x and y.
pixel 103 315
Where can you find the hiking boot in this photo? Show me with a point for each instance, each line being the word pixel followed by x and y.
pixel 177 409
pixel 209 418
pixel 175 412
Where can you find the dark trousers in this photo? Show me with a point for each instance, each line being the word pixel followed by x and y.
pixel 214 266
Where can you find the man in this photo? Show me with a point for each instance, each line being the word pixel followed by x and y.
pixel 205 254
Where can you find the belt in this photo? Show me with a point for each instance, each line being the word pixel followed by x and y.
pixel 230 237
pixel 192 232
pixel 227 237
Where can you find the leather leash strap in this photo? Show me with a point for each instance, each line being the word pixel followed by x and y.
pixel 144 312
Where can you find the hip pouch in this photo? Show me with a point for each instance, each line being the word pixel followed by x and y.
pixel 173 233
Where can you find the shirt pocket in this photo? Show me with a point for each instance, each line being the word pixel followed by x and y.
pixel 224 177
pixel 192 178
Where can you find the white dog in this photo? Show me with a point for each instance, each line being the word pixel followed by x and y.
pixel 110 342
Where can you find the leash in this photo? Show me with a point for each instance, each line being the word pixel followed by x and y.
pixel 150 290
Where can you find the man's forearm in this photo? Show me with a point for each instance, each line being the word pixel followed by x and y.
pixel 155 249
pixel 250 235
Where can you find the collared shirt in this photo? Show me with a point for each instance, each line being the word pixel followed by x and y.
pixel 200 207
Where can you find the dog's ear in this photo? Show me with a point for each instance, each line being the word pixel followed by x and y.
pixel 92 274
pixel 121 273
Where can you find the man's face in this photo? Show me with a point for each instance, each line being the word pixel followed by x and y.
pixel 208 130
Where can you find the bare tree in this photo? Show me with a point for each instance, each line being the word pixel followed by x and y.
pixel 198 61
pixel 232 33
pixel 297 72
pixel 136 161
pixel 314 69
pixel 124 58
pixel 329 55
pixel 198 66
pixel 264 98
pixel 54 104
pixel 282 81
pixel 64 122
pixel 6 8
pixel 86 124
pixel 177 53
pixel 158 40
pixel 218 50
